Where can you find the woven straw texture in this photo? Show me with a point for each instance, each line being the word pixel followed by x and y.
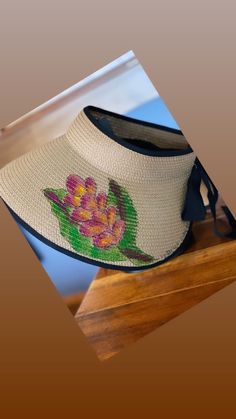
pixel 152 189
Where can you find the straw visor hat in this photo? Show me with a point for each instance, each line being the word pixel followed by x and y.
pixel 110 191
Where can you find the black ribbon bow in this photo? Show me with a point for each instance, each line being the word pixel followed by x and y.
pixel 194 208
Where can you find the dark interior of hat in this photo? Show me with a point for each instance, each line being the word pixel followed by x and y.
pixel 107 128
pixel 143 136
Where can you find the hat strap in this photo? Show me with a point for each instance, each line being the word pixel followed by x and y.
pixel 194 208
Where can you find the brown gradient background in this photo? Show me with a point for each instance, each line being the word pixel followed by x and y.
pixel 187 367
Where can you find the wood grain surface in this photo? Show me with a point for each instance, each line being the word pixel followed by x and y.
pixel 120 308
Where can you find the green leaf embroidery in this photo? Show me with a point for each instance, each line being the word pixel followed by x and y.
pixel 118 196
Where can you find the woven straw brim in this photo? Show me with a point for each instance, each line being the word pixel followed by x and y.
pixel 157 196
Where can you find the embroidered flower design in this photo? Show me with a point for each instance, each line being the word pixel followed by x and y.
pixel 97 224
pixel 92 214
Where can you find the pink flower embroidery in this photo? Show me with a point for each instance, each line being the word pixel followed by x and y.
pixel 91 213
